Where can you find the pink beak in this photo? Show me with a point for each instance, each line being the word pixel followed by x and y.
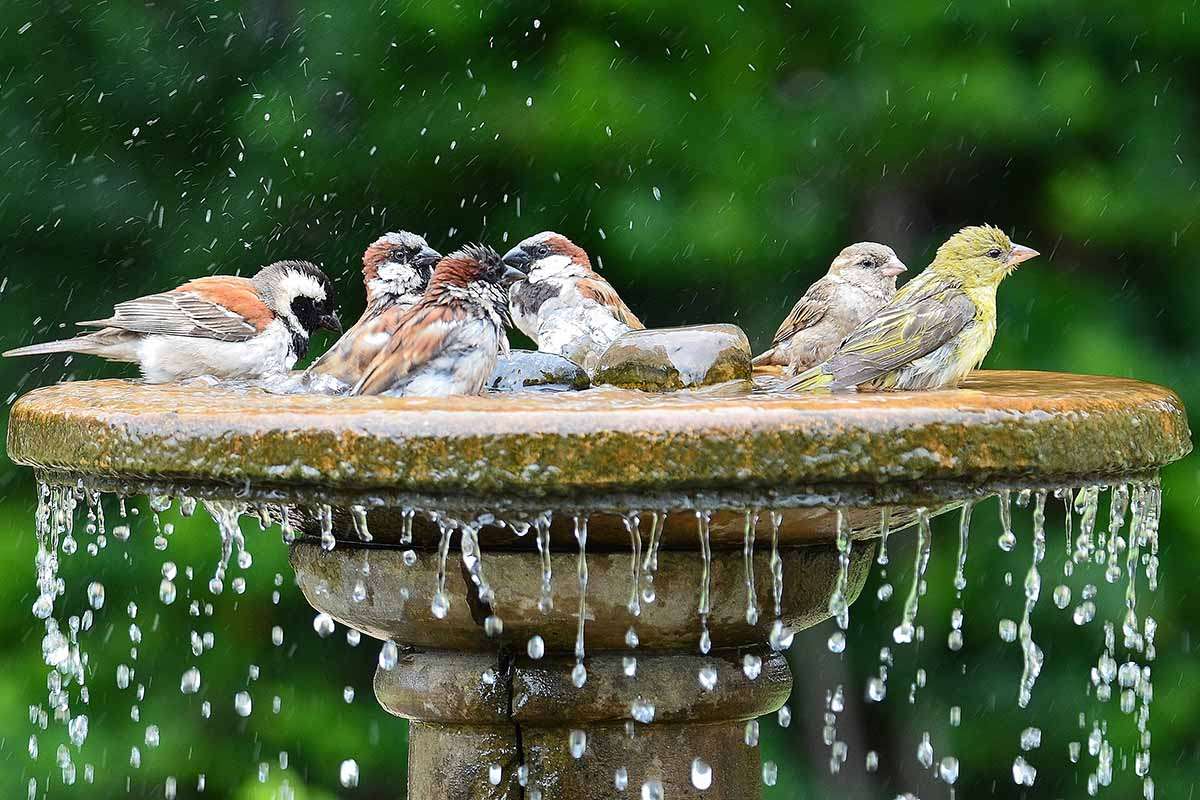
pixel 893 268
pixel 1022 253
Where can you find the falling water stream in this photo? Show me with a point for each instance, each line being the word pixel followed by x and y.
pixel 1120 550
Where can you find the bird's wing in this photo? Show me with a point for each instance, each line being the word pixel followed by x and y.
pixel 913 325
pixel 597 289
pixel 808 311
pixel 353 352
pixel 423 332
pixel 227 309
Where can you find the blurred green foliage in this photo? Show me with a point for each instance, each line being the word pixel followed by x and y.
pixel 712 156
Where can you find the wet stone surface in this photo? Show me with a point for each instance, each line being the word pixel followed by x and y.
pixel 669 359
pixel 523 370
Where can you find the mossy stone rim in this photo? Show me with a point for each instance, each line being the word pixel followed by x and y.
pixel 998 426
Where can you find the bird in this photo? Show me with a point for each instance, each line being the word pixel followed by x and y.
pixel 564 305
pixel 860 281
pixel 448 343
pixel 223 326
pixel 396 270
pixel 936 329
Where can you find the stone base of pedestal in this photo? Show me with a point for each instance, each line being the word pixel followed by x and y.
pixel 481 726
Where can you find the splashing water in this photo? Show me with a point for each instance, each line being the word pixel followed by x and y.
pixel 579 673
pixel 906 630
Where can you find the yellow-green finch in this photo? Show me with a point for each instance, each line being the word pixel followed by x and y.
pixel 938 327
pixel 859 282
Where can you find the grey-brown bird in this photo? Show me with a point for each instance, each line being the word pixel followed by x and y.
pixel 860 281
pixel 448 342
pixel 226 327
pixel 565 306
pixel 396 271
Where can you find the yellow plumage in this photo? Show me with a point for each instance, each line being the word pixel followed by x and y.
pixel 938 328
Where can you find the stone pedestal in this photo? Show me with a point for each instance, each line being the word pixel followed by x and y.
pixel 482 708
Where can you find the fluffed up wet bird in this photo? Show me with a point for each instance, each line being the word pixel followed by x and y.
pixel 939 326
pixel 564 305
pixel 860 281
pixel 396 270
pixel 226 327
pixel 448 342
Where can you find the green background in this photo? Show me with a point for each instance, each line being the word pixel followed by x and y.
pixel 713 157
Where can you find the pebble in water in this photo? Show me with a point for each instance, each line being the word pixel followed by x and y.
pixel 702 775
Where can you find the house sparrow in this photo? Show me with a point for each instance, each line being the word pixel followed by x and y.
pixel 448 342
pixel 396 270
pixel 939 326
pixel 223 326
pixel 563 305
pixel 860 280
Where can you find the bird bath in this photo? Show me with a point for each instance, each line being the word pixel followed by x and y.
pixel 593 591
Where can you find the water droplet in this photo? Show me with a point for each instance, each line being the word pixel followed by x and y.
pixel 1008 630
pixel 389 655
pixel 837 642
pixel 1031 739
pixel 750 736
pixel 190 682
pixel 242 704
pixel 495 774
pixel 348 773
pixel 751 666
pixel 642 711
pixel 708 677
pixel 652 790
pixel 948 769
pixel 323 624
pixel 702 775
pixel 578 743
pixel 536 647
pixel 621 779
pixel 1024 773
pixel 770 773
pixel 95 593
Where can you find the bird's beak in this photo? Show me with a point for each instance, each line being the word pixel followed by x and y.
pixel 893 268
pixel 330 322
pixel 518 259
pixel 1022 253
pixel 511 275
pixel 428 257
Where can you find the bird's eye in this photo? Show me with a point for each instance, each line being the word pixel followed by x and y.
pixel 993 253
pixel 866 263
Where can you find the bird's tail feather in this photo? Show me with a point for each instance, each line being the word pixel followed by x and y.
pixel 813 380
pixel 77 345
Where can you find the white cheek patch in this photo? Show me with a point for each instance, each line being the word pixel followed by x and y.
pixel 550 267
pixel 401 276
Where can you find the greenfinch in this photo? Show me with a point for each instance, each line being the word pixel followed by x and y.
pixel 860 281
pixel 938 327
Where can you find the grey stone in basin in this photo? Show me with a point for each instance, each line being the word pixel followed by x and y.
pixel 668 359
pixel 522 370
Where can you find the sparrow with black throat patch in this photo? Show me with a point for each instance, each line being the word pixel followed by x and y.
pixel 448 342
pixel 226 327
pixel 396 270
pixel 564 305
pixel 860 281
